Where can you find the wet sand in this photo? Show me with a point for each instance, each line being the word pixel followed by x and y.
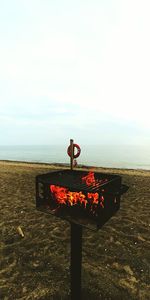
pixel 116 259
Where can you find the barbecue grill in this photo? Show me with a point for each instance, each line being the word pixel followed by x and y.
pixel 84 199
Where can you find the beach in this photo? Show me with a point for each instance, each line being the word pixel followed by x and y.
pixel 115 261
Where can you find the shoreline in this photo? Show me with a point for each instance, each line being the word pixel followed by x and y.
pixel 138 172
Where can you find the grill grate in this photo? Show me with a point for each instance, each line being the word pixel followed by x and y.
pixel 73 180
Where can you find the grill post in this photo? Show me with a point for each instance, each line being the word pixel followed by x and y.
pixel 76 261
pixel 72 153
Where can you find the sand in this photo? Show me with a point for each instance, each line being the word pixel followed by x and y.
pixel 116 259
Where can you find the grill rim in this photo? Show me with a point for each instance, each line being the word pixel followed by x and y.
pixel 49 179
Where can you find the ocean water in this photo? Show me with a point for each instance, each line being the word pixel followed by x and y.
pixel 128 157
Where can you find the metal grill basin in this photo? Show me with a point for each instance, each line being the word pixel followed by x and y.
pixel 107 188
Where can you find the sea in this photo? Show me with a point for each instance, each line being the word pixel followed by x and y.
pixel 113 156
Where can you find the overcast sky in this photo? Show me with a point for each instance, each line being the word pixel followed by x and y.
pixel 75 69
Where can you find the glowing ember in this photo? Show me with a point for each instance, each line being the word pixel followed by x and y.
pixel 94 197
pixel 89 179
pixel 63 196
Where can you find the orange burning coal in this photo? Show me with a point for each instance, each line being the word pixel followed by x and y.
pixel 63 196
pixel 89 179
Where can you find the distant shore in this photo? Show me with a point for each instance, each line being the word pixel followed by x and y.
pixel 107 156
pixel 139 172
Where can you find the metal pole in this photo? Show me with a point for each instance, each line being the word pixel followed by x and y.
pixel 76 261
pixel 72 154
pixel 76 249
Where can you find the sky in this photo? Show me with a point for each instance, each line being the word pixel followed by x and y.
pixel 74 69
